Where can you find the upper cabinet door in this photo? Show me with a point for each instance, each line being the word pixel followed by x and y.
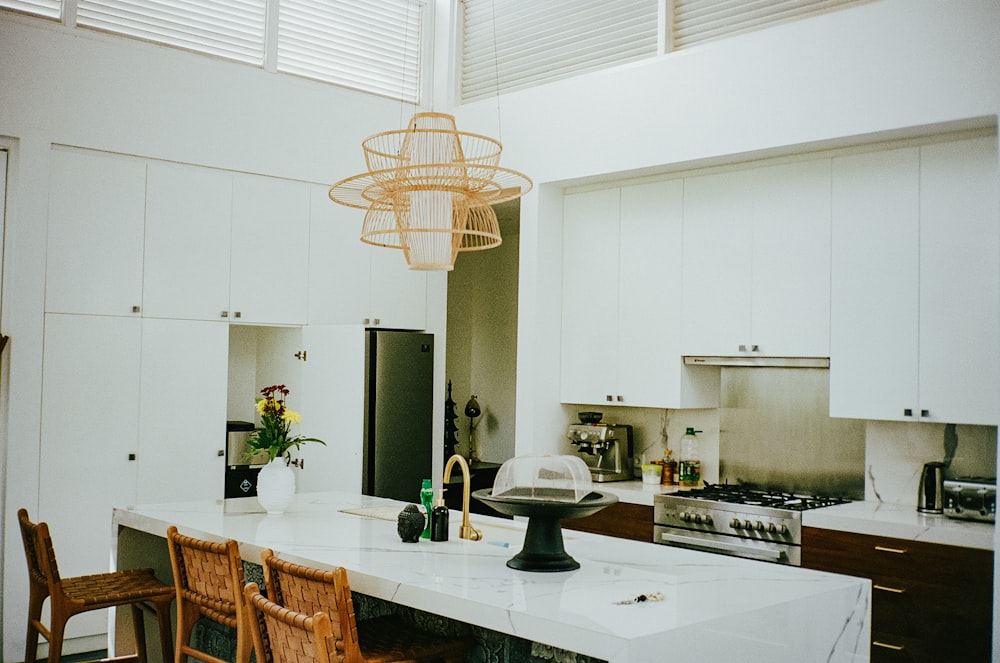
pixel 790 299
pixel 717 259
pixel 270 250
pixel 186 271
pixel 960 281
pixel 589 370
pixel 398 293
pixel 95 233
pixel 875 284
pixel 339 263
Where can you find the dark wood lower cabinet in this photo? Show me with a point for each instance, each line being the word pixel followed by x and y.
pixel 622 520
pixel 930 602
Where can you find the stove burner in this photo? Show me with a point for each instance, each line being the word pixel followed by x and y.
pixel 751 496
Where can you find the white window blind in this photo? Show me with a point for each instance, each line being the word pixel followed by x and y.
pixel 231 29
pixel 46 8
pixel 369 46
pixel 697 21
pixel 512 44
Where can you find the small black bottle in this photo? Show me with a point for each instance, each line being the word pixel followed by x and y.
pixel 439 521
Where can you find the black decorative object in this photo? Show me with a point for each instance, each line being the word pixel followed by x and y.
pixel 543 542
pixel 410 523
pixel 450 427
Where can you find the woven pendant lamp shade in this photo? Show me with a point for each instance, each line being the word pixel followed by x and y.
pixel 429 191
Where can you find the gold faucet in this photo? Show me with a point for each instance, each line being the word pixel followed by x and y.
pixel 466 531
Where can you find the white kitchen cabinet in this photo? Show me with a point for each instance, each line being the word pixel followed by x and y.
pixel 188 218
pixel 133 411
pixel 351 282
pixel 756 261
pixel 621 301
pixel 269 269
pixel 95 233
pixel 182 408
pixel 89 432
pixel 916 278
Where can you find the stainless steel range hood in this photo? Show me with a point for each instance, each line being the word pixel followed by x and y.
pixel 754 360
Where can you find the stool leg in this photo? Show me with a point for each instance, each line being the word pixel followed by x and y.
pixel 35 601
pixel 57 630
pixel 163 621
pixel 139 627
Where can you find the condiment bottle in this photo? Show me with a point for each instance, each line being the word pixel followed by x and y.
pixel 669 477
pixel 427 499
pixel 689 468
pixel 439 520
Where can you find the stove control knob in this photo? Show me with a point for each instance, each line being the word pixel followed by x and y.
pixel 759 526
pixel 736 523
pixel 705 520
pixel 747 525
pixel 777 529
pixel 684 516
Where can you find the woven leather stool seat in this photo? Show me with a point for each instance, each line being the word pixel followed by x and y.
pixel 208 576
pixel 388 639
pixel 71 596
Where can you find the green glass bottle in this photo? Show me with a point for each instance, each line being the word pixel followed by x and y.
pixel 427 499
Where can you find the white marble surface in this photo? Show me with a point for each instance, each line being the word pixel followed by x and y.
pixel 715 606
pixel 901 522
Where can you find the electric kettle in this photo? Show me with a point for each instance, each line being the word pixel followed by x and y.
pixel 930 494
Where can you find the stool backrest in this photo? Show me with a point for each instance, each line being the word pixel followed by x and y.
pixel 309 590
pixel 281 635
pixel 209 576
pixel 42 567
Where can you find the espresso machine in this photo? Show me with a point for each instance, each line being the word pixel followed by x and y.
pixel 606 448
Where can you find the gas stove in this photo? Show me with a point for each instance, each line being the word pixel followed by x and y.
pixel 736 520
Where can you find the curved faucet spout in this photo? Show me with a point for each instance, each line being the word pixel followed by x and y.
pixel 466 531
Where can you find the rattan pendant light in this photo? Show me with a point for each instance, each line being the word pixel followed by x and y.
pixel 429 191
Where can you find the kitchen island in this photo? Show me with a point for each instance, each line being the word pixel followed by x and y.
pixel 713 607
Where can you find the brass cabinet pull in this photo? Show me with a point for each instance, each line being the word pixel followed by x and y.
pixel 886 645
pixel 891 590
pixel 898 551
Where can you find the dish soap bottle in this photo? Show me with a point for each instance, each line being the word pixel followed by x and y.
pixel 689 467
pixel 427 499
pixel 439 520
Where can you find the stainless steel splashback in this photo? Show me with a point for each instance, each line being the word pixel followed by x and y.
pixel 775 432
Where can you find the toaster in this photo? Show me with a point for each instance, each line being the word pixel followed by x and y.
pixel 972 498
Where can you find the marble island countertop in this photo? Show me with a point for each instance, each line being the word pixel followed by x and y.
pixel 861 517
pixel 713 605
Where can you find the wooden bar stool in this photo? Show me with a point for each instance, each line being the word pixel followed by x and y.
pixel 281 635
pixel 385 639
pixel 208 576
pixel 138 588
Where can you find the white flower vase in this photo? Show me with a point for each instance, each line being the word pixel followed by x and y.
pixel 276 486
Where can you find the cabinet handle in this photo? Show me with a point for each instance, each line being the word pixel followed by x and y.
pixel 224 314
pixel 609 398
pixel 742 348
pixel 131 456
pixel 220 452
pixel 377 321
pixel 891 590
pixel 136 309
pixel 925 413
pixel 238 314
pixel 621 399
pixel 907 412
pixel 365 321
pixel 754 348
pixel 898 551
pixel 301 354
pixel 886 645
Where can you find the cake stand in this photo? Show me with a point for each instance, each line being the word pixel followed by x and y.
pixel 543 542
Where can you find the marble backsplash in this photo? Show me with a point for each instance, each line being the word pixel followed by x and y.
pixel 895 453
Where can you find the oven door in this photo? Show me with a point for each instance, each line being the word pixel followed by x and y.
pixel 724 544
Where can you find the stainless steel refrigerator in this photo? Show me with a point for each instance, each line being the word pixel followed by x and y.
pixel 399 413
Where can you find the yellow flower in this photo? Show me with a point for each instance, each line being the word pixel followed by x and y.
pixel 291 416
pixel 261 404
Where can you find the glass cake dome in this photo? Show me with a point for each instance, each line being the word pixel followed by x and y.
pixel 545 478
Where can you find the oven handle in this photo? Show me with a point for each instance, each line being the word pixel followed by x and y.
pixel 777 555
